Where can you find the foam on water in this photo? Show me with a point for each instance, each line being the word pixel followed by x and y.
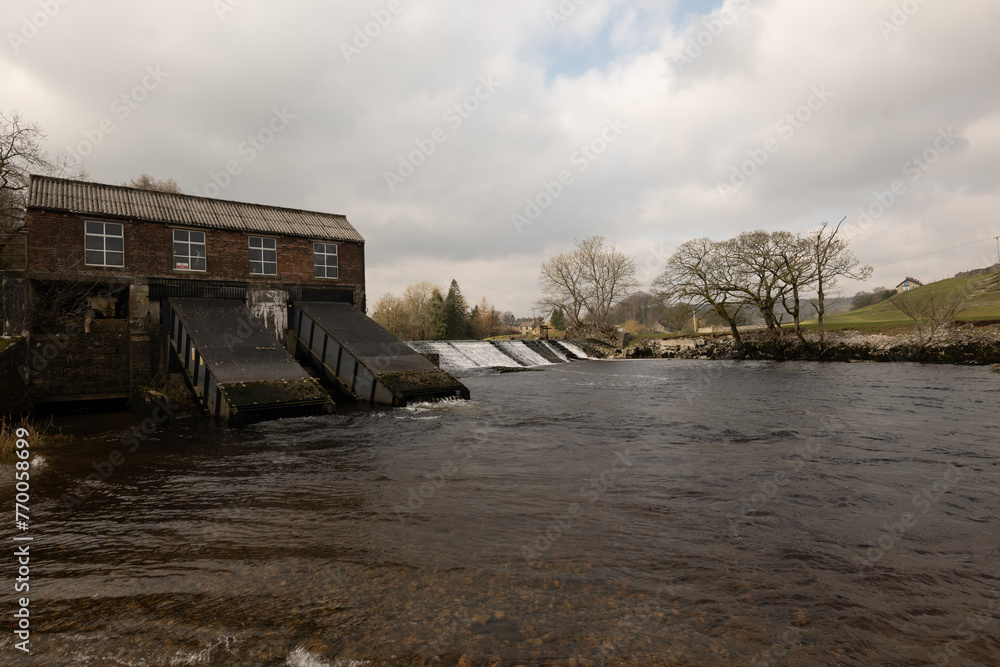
pixel 521 353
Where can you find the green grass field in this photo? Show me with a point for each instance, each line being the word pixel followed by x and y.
pixel 984 304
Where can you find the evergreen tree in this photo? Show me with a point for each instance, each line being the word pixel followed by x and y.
pixel 456 314
pixel 558 319
pixel 439 327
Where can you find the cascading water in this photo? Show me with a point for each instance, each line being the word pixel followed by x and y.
pixel 451 358
pixel 484 354
pixel 521 353
pixel 572 348
pixel 468 354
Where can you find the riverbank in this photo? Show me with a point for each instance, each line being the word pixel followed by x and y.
pixel 963 344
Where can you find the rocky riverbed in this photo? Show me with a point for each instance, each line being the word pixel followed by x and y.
pixel 965 344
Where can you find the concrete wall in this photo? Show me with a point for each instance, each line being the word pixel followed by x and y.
pixel 270 306
pixel 56 240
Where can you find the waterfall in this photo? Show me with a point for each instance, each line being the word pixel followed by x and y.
pixel 521 353
pixel 459 355
pixel 572 348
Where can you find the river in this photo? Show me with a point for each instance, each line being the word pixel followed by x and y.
pixel 596 512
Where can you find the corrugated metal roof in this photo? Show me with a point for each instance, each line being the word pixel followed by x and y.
pixel 61 194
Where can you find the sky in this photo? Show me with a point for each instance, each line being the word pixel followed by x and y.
pixel 472 140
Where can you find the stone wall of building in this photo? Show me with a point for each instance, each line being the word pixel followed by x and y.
pixel 70 364
pixel 13 357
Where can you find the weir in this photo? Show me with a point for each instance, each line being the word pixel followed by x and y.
pixel 459 355
pixel 366 362
pixel 238 370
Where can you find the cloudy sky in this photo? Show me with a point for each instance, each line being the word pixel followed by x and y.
pixel 470 140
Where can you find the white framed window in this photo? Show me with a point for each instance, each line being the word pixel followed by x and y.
pixel 263 256
pixel 325 260
pixel 189 250
pixel 104 243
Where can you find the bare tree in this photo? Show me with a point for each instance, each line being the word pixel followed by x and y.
pixel 587 282
pixel 931 311
pixel 20 154
pixel 390 311
pixel 698 275
pixel 798 272
pixel 757 268
pixel 147 182
pixel 417 298
pixel 563 286
pixel 832 260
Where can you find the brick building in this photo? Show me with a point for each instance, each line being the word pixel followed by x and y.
pixel 121 252
pixel 98 232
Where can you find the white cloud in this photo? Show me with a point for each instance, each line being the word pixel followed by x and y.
pixel 651 189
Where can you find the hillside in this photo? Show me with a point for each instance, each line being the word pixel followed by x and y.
pixel 983 305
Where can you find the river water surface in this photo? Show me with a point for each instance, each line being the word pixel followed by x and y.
pixel 644 512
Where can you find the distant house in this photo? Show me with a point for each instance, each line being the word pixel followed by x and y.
pixel 908 284
pixel 526 326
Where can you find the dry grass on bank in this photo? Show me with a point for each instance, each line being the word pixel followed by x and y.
pixel 40 434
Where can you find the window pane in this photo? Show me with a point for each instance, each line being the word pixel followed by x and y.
pixel 256 267
pixel 270 256
pixel 197 237
pixel 95 243
pixel 197 263
pixel 115 258
pixel 197 250
pixel 180 235
pixel 112 229
pixel 115 243
pixel 332 249
pixel 270 243
pixel 255 254
pixel 180 249
pixel 95 257
pixel 256 242
pixel 95 227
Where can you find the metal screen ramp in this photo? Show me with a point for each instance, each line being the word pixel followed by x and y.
pixel 364 360
pixel 239 371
